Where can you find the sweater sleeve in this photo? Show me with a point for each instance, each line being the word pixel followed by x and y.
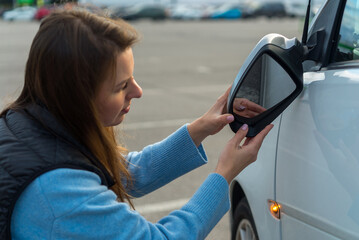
pixel 71 204
pixel 162 162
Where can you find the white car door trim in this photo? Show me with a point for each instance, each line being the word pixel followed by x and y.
pixel 319 223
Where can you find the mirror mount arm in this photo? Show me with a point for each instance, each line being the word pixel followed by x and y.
pixel 312 49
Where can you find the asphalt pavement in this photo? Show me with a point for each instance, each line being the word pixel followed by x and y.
pixel 183 67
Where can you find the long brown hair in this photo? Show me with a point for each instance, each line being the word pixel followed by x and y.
pixel 69 59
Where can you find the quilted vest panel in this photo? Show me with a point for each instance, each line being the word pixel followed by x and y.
pixel 32 142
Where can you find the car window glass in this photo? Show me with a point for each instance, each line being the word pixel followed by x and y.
pixel 348 44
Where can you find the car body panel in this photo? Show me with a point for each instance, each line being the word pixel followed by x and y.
pixel 291 227
pixel 258 179
pixel 318 147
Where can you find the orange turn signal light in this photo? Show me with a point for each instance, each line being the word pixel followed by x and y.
pixel 274 208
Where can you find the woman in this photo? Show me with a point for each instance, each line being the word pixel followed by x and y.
pixel 62 174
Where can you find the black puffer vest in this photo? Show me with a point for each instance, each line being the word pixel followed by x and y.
pixel 32 142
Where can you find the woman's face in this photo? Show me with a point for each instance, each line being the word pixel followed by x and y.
pixel 114 98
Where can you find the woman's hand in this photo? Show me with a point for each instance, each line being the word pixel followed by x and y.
pixel 245 108
pixel 212 121
pixel 235 157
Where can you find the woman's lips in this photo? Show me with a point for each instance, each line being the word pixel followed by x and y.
pixel 126 110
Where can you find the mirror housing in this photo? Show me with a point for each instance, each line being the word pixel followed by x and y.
pixel 288 55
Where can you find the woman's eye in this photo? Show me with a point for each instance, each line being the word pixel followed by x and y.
pixel 121 87
pixel 125 86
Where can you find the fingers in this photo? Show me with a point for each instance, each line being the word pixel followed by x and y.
pixel 226 118
pixel 246 142
pixel 255 107
pixel 221 121
pixel 266 130
pixel 240 135
pixel 222 100
pixel 246 113
pixel 241 104
pixel 260 136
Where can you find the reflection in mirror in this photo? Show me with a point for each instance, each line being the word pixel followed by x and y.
pixel 265 85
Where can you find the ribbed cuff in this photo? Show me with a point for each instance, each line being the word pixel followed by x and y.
pixel 210 202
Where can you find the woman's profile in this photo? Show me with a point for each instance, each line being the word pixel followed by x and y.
pixel 62 173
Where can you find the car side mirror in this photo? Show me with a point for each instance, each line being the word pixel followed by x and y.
pixel 269 80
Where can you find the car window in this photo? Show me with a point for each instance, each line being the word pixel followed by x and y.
pixel 348 44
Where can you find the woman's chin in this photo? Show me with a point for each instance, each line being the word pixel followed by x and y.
pixel 115 122
pixel 119 120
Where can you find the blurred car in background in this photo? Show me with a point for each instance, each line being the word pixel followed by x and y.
pixel 247 10
pixel 271 9
pixel 296 9
pixel 47 9
pixel 86 6
pixel 227 11
pixel 118 12
pixel 43 12
pixel 187 12
pixel 146 11
pixel 20 14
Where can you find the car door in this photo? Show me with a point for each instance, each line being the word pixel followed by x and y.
pixel 317 173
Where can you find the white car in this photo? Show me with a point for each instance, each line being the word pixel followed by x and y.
pixel 295 8
pixel 20 14
pixel 305 182
pixel 187 12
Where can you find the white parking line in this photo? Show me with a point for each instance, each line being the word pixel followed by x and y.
pixel 156 124
pixel 161 206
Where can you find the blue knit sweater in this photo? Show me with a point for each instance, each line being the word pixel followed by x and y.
pixel 72 204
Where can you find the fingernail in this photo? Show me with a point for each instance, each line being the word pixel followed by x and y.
pixel 230 118
pixel 240 108
pixel 244 127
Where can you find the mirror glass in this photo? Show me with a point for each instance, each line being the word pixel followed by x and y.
pixel 265 85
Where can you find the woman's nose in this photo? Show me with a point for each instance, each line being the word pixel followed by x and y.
pixel 136 90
